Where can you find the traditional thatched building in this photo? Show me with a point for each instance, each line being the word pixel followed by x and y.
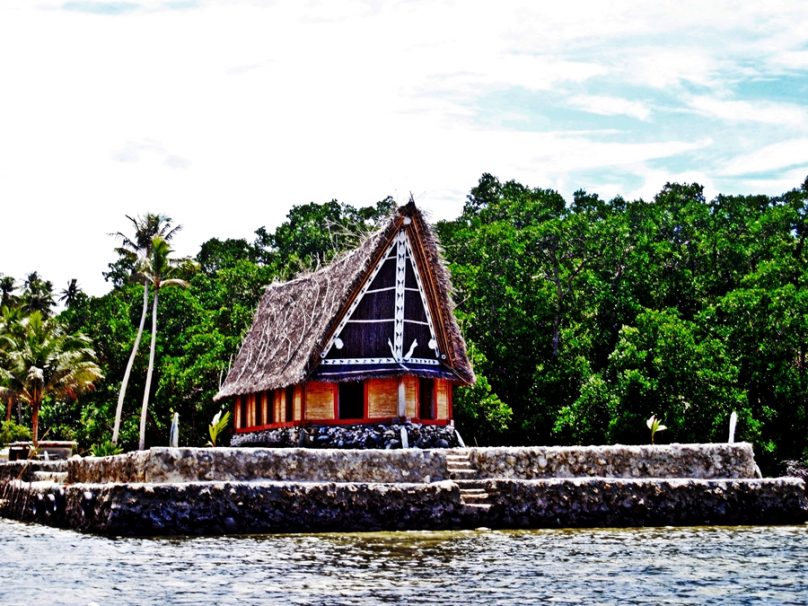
pixel 371 338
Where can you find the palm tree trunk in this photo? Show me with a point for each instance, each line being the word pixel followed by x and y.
pixel 144 409
pixel 9 406
pixel 35 424
pixel 125 383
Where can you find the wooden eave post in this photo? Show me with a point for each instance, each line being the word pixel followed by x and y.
pixel 402 398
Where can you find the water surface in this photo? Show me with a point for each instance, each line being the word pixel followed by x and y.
pixel 715 565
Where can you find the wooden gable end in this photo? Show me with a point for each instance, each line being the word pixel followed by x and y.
pixel 388 324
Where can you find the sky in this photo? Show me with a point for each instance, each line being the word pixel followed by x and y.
pixel 225 114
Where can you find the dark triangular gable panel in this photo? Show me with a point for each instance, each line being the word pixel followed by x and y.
pixel 388 327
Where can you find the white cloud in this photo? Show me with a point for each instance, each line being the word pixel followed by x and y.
pixel 663 68
pixel 751 111
pixel 611 106
pixel 777 156
pixel 654 180
pixel 139 151
pixel 772 186
pixel 223 116
pixel 796 60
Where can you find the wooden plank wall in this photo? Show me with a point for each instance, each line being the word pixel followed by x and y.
pixel 263 418
pixel 250 410
pixel 238 422
pixel 442 394
pixel 274 411
pixel 382 395
pixel 298 400
pixel 320 398
pixel 267 408
pixel 411 396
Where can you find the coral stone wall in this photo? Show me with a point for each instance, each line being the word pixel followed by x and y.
pixel 214 508
pixel 587 502
pixel 288 465
pixel 371 436
pixel 703 461
pixel 249 507
pixel 226 490
pixel 662 461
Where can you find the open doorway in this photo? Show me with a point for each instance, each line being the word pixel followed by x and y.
pixel 290 404
pixel 426 399
pixel 352 400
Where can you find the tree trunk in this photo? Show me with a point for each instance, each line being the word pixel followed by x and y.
pixel 35 424
pixel 556 333
pixel 558 307
pixel 125 383
pixel 9 406
pixel 144 409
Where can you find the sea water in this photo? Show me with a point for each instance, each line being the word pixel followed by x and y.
pixel 703 565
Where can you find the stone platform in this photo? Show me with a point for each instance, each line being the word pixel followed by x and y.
pixel 239 490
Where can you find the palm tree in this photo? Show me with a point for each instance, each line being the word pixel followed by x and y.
pixel 37 294
pixel 6 378
pixel 48 362
pixel 7 288
pixel 136 249
pixel 158 270
pixel 71 294
pixel 11 330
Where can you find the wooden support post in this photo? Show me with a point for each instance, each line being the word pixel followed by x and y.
pixel 402 398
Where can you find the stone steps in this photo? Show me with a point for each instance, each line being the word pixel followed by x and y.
pixel 475 501
pixel 463 474
pixel 477 508
pixel 474 496
pixel 459 467
pixel 57 477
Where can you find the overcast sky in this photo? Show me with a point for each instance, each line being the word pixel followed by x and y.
pixel 224 114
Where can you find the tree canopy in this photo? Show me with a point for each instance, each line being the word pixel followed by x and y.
pixel 583 317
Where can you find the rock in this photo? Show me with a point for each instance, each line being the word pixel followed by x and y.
pixel 351 436
pixel 795 469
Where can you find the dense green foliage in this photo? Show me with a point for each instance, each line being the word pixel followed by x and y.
pixel 595 315
pixel 40 361
pixel 583 319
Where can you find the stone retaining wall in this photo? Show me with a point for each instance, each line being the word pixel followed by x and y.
pixel 232 464
pixel 415 465
pixel 587 502
pixel 227 490
pixel 214 508
pixel 662 461
pixel 253 507
pixel 360 436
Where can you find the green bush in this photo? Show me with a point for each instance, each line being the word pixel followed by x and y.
pixel 105 449
pixel 217 426
pixel 13 432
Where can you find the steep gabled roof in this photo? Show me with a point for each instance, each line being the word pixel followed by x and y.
pixel 296 320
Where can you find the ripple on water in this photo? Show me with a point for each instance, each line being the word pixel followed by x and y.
pixel 711 565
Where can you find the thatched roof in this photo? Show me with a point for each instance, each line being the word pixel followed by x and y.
pixel 295 320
